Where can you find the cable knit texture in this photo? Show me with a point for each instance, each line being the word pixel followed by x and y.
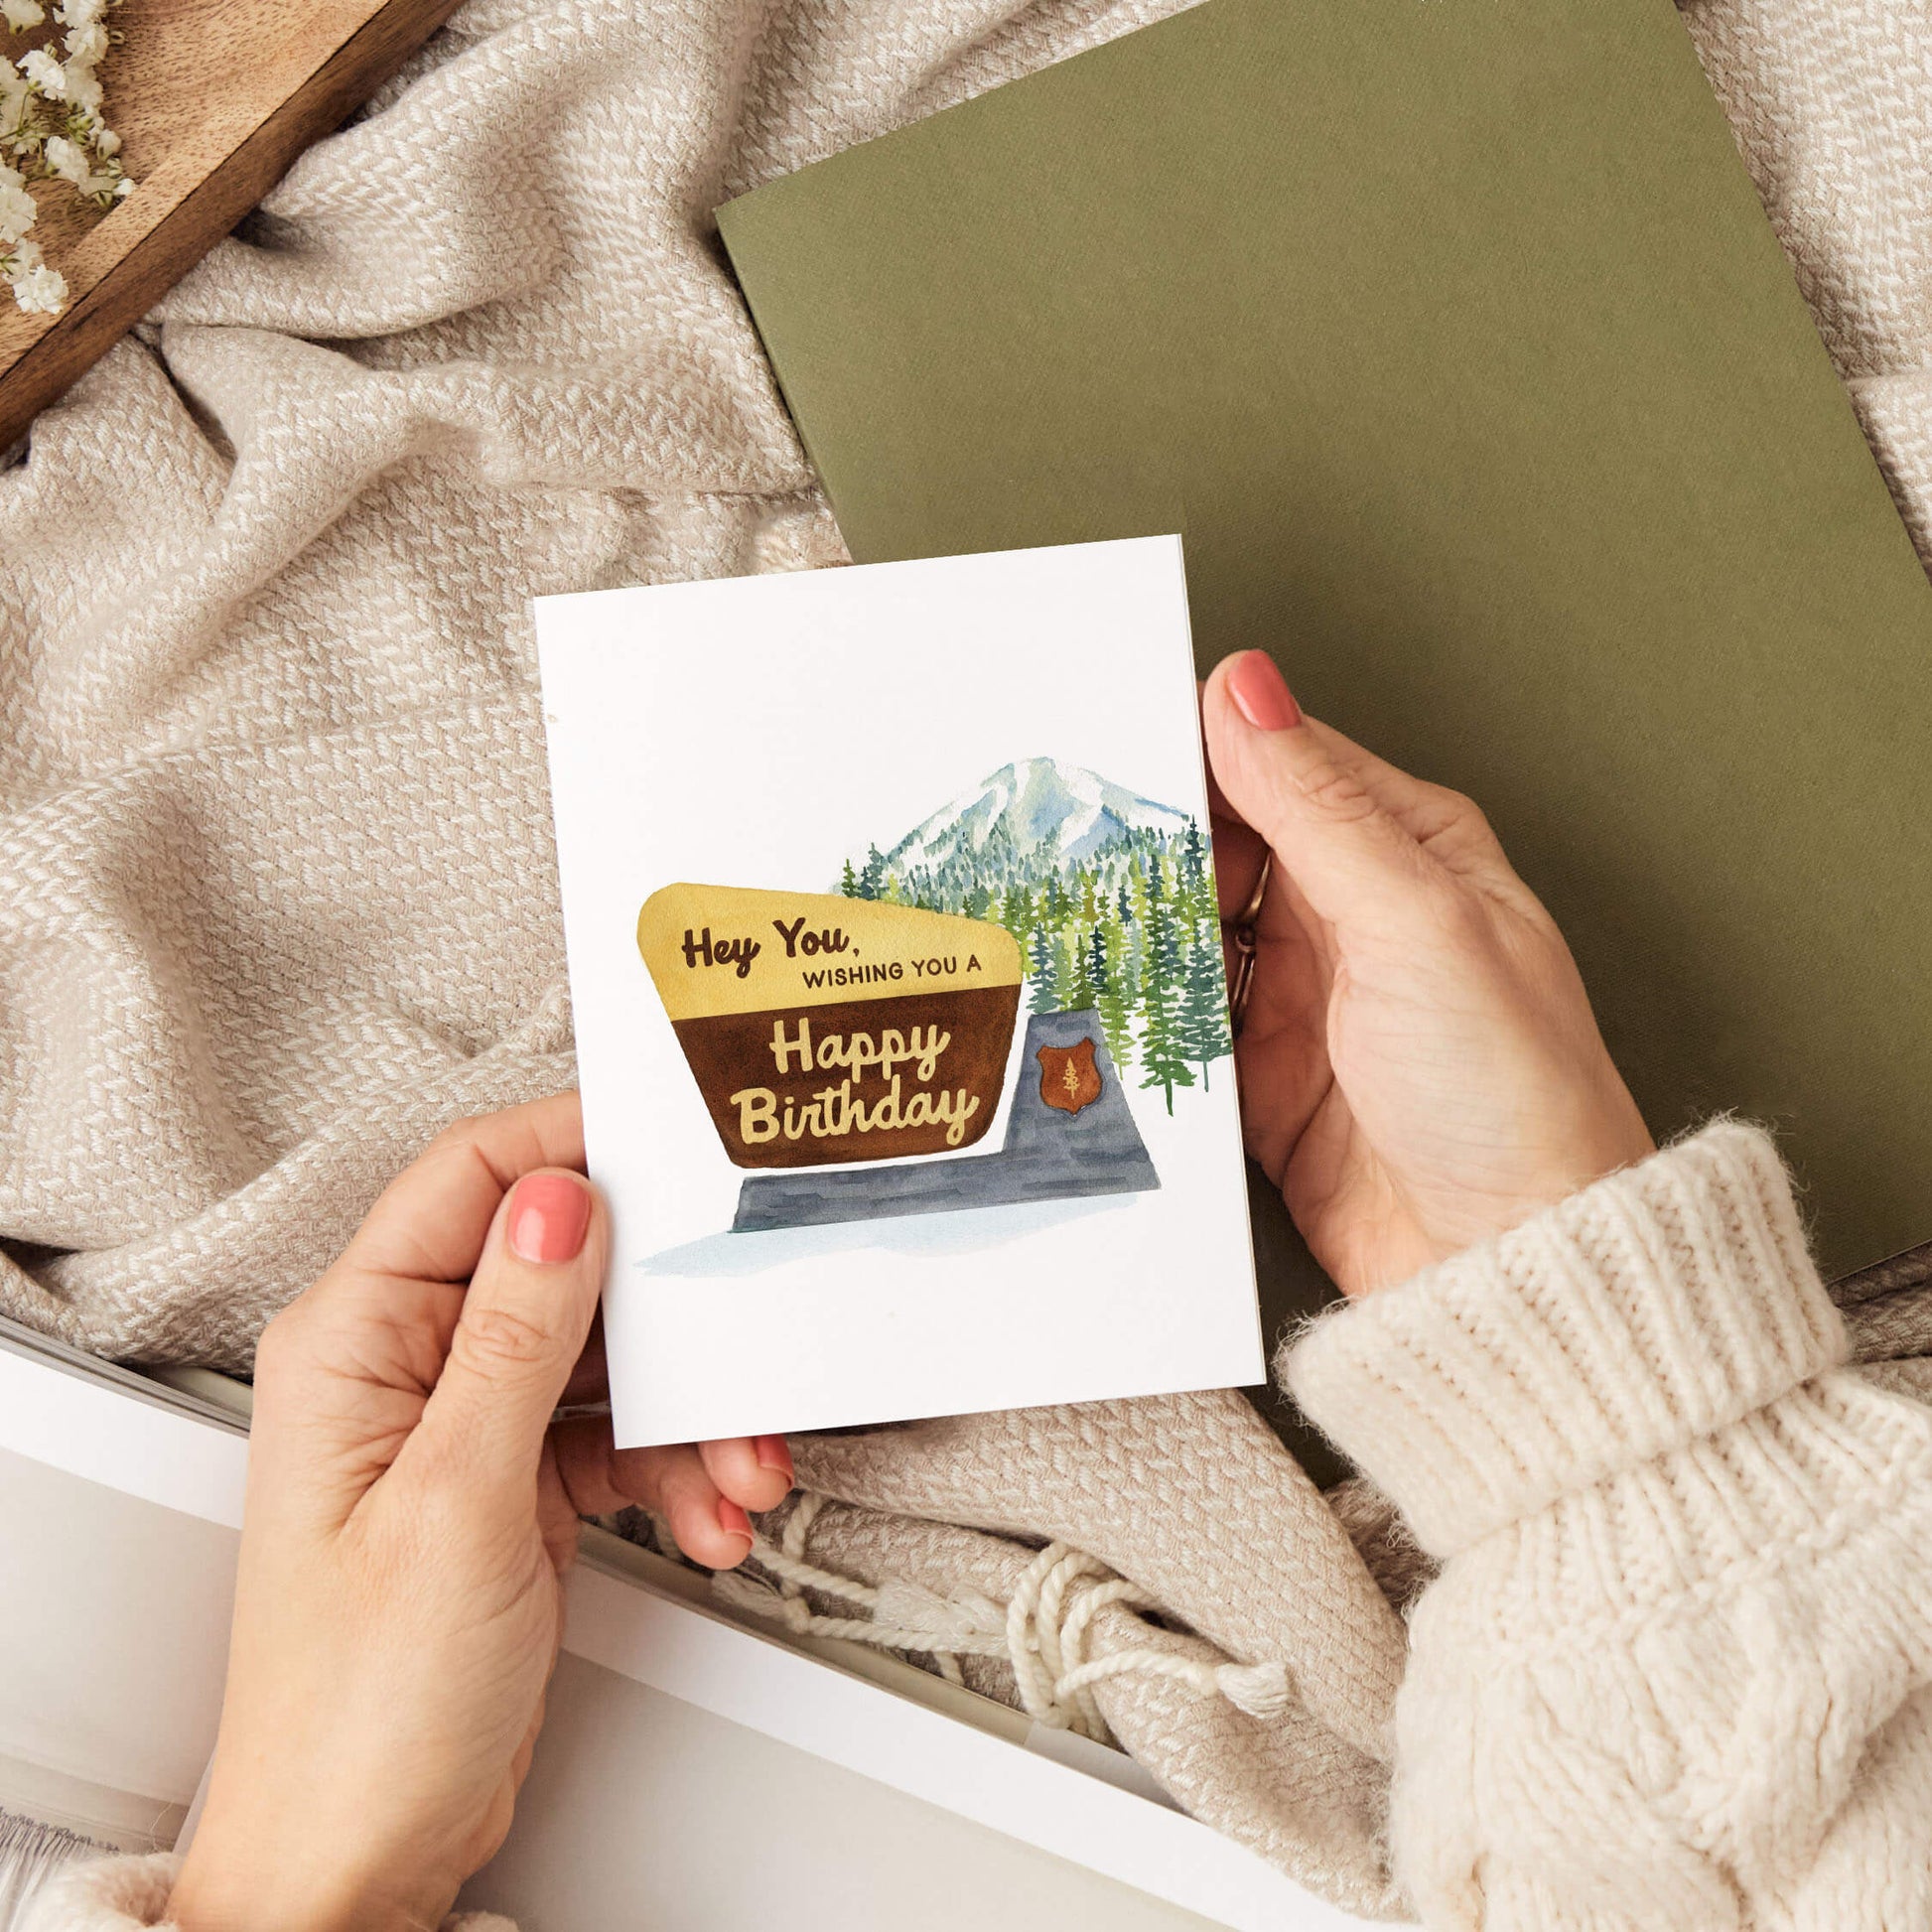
pixel 1645 1312
pixel 1677 1670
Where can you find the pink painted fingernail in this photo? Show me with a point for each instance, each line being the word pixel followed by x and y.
pixel 550 1213
pixel 732 1520
pixel 1261 694
pixel 772 1454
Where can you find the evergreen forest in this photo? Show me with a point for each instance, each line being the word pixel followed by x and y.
pixel 1133 931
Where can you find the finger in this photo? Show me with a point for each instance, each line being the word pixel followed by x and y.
pixel 590 1380
pixel 1399 782
pixel 1352 860
pixel 671 1482
pixel 1237 847
pixel 1448 826
pixel 754 1470
pixel 386 1311
pixel 1443 822
pixel 1220 813
pixel 524 1323
pixel 430 1222
pixel 1218 808
pixel 1239 852
pixel 557 1520
pixel 710 1529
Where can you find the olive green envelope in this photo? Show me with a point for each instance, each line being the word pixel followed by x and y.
pixel 1453 338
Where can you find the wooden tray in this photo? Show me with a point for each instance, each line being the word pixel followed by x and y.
pixel 212 99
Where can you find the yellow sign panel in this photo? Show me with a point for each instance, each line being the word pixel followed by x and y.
pixel 728 949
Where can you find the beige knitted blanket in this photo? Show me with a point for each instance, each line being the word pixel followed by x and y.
pixel 277 895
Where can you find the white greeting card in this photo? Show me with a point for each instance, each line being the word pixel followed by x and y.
pixel 901 1017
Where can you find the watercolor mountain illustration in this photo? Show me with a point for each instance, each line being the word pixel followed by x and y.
pixel 1049 813
pixel 1110 895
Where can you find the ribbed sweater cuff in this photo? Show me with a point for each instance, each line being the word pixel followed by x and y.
pixel 1654 1308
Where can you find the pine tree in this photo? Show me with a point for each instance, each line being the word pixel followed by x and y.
pixel 1162 995
pixel 871 880
pixel 849 881
pixel 1203 1006
pixel 1114 994
pixel 1196 880
pixel 1126 904
pixel 1042 950
pixel 1080 989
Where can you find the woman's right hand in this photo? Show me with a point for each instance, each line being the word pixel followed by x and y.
pixel 1420 1067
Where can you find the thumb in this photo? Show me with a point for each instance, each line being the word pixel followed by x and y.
pixel 524 1323
pixel 1293 783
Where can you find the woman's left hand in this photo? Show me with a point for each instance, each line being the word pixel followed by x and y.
pixel 411 1509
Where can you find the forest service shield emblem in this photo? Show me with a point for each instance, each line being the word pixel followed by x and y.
pixel 1069 1078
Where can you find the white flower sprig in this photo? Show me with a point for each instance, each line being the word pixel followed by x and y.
pixel 51 129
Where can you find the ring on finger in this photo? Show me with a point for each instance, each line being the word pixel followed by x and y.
pixel 1240 934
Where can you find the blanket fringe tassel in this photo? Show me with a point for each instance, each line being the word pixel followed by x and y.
pixel 1042 1631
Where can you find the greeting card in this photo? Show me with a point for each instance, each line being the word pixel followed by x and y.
pixel 901 1011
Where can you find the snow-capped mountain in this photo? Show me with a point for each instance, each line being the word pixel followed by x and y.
pixel 1037 815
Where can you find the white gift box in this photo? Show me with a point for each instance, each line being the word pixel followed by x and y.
pixel 121 1503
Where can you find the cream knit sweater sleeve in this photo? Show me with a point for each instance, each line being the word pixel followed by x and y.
pixel 1677 1670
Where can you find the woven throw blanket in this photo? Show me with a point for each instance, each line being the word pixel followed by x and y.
pixel 277 894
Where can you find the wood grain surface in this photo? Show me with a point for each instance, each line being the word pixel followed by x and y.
pixel 212 100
